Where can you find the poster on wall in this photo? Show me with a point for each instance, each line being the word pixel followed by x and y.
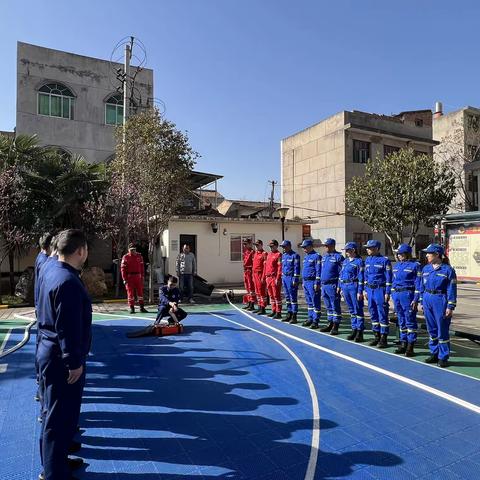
pixel 464 250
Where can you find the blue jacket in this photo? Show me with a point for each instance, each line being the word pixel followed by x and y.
pixel 168 295
pixel 39 261
pixel 291 265
pixel 407 274
pixel 378 272
pixel 331 266
pixel 312 267
pixel 443 280
pixel 353 270
pixel 64 315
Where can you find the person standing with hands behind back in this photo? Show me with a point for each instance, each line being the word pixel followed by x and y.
pixel 186 267
pixel 64 321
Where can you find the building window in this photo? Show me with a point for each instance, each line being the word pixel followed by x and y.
pixel 236 246
pixel 55 100
pixel 361 151
pixel 388 149
pixel 472 193
pixel 361 238
pixel 114 110
pixel 419 122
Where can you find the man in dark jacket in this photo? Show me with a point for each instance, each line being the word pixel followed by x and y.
pixel 168 302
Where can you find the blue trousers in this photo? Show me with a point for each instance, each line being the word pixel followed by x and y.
pixel 60 413
pixel 438 325
pixel 186 285
pixel 378 309
pixel 331 299
pixel 355 306
pixel 291 293
pixel 313 300
pixel 407 318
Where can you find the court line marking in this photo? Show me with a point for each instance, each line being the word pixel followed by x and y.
pixel 374 349
pixel 413 383
pixel 315 443
pixel 26 335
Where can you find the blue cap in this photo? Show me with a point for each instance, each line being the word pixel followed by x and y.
pixel 329 242
pixel 307 243
pixel 403 248
pixel 350 246
pixel 373 244
pixel 286 243
pixel 434 248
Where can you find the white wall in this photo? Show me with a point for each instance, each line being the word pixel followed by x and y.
pixel 213 249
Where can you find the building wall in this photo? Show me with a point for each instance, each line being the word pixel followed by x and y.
pixel 213 249
pixel 313 176
pixel 317 165
pixel 91 80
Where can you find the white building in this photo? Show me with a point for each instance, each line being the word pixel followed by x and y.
pixel 217 243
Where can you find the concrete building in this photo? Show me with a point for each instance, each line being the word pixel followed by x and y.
pixel 458 134
pixel 217 242
pixel 318 163
pixel 71 101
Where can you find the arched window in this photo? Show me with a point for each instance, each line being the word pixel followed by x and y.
pixel 114 110
pixel 55 100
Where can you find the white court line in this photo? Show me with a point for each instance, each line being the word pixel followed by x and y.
pixel 122 316
pixel 434 391
pixel 26 335
pixel 315 444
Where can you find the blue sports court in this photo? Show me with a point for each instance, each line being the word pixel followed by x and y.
pixel 239 396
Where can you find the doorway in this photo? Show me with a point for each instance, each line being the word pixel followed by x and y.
pixel 190 240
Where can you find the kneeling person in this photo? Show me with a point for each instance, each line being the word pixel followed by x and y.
pixel 168 303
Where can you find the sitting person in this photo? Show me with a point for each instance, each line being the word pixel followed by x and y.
pixel 168 303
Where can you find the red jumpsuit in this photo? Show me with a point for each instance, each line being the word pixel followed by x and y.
pixel 273 274
pixel 132 274
pixel 259 259
pixel 248 254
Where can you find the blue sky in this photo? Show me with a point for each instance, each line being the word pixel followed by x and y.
pixel 240 75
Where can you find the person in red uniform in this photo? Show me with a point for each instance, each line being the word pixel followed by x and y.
pixel 259 259
pixel 248 253
pixel 273 275
pixel 132 274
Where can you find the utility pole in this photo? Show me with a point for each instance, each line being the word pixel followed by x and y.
pixel 272 196
pixel 126 77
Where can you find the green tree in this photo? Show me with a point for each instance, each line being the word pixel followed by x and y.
pixel 156 157
pixel 400 192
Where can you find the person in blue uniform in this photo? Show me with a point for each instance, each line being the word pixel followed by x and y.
pixel 331 266
pixel 290 280
pixel 351 287
pixel 64 319
pixel 169 299
pixel 42 257
pixel 405 293
pixel 378 286
pixel 312 269
pixel 438 296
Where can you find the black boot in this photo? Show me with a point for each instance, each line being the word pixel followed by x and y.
pixel 409 351
pixel 307 323
pixel 375 340
pixel 288 317
pixel 359 337
pixel 383 343
pixel 432 359
pixel 142 309
pixel 402 348
pixel 261 311
pixel 334 330
pixel 293 320
pixel 352 335
pixel 278 316
pixel 314 326
pixel 132 309
pixel 327 328
pixel 443 362
pixel 247 306
pixel 272 315
pixel 251 307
